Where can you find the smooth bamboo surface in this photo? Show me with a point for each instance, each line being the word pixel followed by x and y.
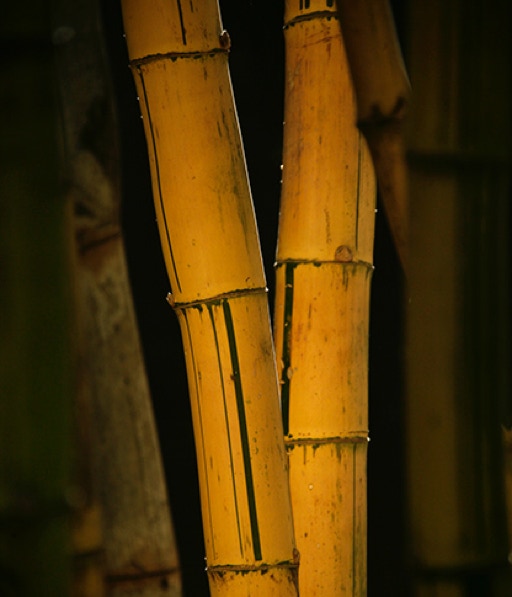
pixel 458 383
pixel 323 274
pixel 123 537
pixel 178 54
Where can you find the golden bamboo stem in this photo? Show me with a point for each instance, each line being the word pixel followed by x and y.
pixel 382 95
pixel 178 54
pixel 123 536
pixel 323 275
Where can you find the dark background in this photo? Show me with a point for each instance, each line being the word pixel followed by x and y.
pixel 257 68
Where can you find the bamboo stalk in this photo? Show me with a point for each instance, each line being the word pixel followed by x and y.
pixel 178 54
pixel 36 322
pixel 459 157
pixel 122 474
pixel 323 274
pixel 382 95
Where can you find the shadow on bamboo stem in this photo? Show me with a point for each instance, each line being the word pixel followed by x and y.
pixel 382 95
pixel 458 363
pixel 123 535
pixel 36 327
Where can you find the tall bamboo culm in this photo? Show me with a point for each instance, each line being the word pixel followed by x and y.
pixel 125 521
pixel 323 274
pixel 179 58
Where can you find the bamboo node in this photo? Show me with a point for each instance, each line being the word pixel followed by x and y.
pixel 344 254
pixel 296 556
pixel 216 299
pixel 263 567
pixel 378 116
pixel 311 16
pixel 170 299
pixel 291 442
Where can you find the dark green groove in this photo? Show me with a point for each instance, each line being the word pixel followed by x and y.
pixel 285 351
pixel 182 24
pixel 226 420
pixel 249 482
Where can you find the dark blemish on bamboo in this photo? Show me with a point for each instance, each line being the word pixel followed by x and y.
pixel 344 254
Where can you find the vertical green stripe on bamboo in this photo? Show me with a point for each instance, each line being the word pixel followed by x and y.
pixel 235 375
pixel 285 349
pixel 237 460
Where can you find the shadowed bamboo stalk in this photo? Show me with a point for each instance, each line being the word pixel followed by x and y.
pixel 323 272
pixel 382 95
pixel 458 352
pixel 36 321
pixel 178 55
pixel 118 450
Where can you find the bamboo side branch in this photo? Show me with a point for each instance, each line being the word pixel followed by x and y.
pixel 323 274
pixel 122 474
pixel 382 95
pixel 178 55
